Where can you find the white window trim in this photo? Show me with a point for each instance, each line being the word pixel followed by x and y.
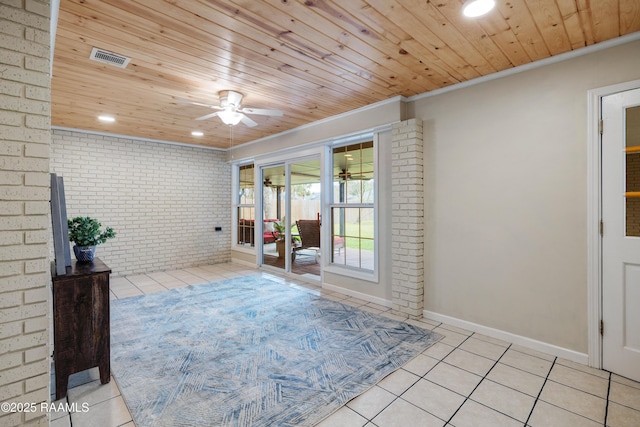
pixel 329 267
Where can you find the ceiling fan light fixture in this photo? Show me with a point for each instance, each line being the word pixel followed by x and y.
pixel 230 117
pixel 475 8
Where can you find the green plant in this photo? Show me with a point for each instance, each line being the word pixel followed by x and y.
pixel 85 231
pixel 280 228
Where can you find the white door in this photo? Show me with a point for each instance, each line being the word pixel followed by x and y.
pixel 621 233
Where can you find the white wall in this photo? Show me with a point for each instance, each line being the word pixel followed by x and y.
pixel 506 174
pixel 164 201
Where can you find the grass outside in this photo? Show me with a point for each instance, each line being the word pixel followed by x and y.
pixel 355 236
pixel 359 235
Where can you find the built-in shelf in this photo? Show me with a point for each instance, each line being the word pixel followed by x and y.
pixel 632 194
pixel 634 149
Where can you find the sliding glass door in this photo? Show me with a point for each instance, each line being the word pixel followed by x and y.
pixel 291 206
pixel 306 205
pixel 274 184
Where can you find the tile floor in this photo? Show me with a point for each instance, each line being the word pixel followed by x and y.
pixel 466 379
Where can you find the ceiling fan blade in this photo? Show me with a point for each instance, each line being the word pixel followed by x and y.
pixel 262 111
pixel 208 116
pixel 184 101
pixel 230 102
pixel 308 175
pixel 247 121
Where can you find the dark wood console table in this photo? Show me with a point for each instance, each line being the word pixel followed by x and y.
pixel 81 322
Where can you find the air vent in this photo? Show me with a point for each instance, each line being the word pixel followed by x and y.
pixel 109 57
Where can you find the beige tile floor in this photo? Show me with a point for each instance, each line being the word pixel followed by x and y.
pixel 466 379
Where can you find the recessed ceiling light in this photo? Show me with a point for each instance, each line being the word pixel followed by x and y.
pixel 475 8
pixel 106 119
pixel 197 133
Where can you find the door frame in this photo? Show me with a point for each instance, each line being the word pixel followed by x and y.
pixel 594 215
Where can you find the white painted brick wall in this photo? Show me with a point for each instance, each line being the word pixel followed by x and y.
pixel 407 292
pixel 164 201
pixel 24 208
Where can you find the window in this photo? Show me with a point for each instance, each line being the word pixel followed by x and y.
pixel 352 207
pixel 245 205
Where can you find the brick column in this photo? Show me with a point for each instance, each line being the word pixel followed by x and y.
pixel 408 218
pixel 24 208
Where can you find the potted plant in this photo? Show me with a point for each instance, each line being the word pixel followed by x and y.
pixel 281 229
pixel 85 233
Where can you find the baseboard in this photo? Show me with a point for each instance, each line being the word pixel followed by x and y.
pixel 509 337
pixel 380 301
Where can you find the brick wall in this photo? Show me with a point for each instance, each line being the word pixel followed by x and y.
pixel 164 201
pixel 24 207
pixel 407 291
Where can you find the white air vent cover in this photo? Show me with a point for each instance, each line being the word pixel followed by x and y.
pixel 109 57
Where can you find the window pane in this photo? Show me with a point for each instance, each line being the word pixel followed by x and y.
pixel 306 193
pixel 273 193
pixel 353 237
pixel 246 194
pixel 632 125
pixel 274 200
pixel 352 228
pixel 246 226
pixel 353 173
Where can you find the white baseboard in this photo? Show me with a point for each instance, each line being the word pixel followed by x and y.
pixel 509 337
pixel 380 301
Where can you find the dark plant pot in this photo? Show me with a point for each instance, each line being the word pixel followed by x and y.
pixel 281 248
pixel 84 253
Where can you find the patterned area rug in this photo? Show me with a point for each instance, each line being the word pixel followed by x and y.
pixel 250 352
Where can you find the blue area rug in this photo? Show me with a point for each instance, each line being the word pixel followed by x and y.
pixel 250 352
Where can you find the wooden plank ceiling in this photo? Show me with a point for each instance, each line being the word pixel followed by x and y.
pixel 311 59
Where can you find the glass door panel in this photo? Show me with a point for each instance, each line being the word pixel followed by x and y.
pixel 273 216
pixel 632 139
pixel 305 208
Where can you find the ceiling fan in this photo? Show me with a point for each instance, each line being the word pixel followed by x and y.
pixel 345 175
pixel 230 111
